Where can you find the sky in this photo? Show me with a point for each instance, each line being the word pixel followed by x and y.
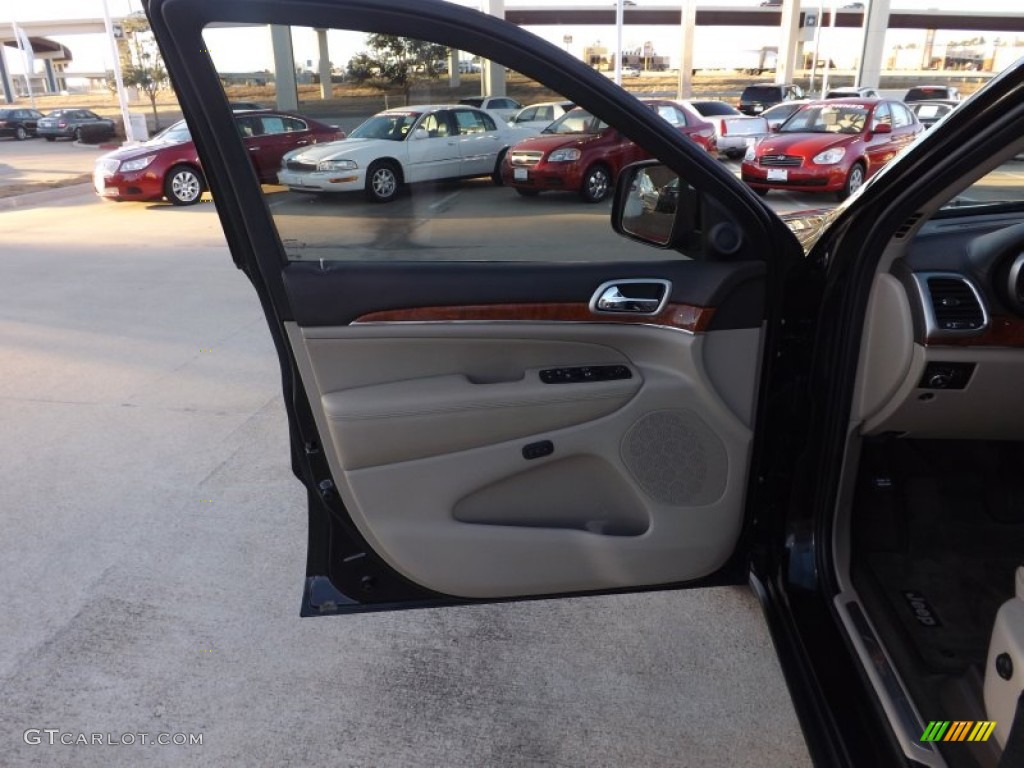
pixel 250 50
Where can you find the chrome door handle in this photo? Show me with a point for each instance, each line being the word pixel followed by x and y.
pixel 634 296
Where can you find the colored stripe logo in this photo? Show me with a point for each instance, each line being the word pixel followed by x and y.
pixel 958 730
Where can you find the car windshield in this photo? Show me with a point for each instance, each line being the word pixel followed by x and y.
pixel 576 121
pixel 761 93
pixel 393 126
pixel 176 133
pixel 714 108
pixel 472 102
pixel 828 118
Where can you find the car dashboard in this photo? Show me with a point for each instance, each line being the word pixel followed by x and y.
pixel 943 350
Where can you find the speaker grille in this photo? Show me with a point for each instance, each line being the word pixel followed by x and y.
pixel 676 458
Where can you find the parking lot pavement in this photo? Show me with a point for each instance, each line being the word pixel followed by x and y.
pixel 36 164
pixel 153 553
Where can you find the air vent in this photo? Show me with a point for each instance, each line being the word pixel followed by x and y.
pixel 952 306
pixel 907 225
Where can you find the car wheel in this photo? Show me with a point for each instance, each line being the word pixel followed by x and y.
pixel 854 181
pixel 20 134
pixel 527 192
pixel 734 154
pixel 596 183
pixel 51 138
pixel 761 192
pixel 496 176
pixel 183 185
pixel 382 182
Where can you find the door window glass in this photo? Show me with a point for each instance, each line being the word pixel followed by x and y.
pixel 385 193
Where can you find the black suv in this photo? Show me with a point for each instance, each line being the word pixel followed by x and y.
pixel 757 98
pixel 931 93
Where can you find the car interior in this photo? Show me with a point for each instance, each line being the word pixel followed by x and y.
pixel 930 532
pixel 496 424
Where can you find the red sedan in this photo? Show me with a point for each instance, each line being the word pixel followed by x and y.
pixel 830 146
pixel 580 153
pixel 167 165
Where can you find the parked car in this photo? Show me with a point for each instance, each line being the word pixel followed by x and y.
pixel 244 105
pixel 503 106
pixel 74 123
pixel 581 153
pixel 930 112
pixel 168 166
pixel 733 130
pixel 931 93
pixel 402 146
pixel 780 113
pixel 859 92
pixel 830 146
pixel 540 116
pixel 19 123
pixel 630 71
pixel 756 98
pixel 833 421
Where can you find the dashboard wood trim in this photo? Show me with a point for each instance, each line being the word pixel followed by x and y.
pixel 1002 331
pixel 685 317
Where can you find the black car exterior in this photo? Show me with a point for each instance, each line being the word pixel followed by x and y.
pixel 814 300
pixel 19 123
pixel 78 124
pixel 756 98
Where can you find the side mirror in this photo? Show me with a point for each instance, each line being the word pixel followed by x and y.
pixel 653 205
pixel 882 128
pixel 775 127
pixel 420 133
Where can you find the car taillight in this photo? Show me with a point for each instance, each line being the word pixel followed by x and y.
pixel 724 129
pixel 3 123
pixel 61 124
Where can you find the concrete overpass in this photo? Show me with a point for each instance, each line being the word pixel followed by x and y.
pixel 791 17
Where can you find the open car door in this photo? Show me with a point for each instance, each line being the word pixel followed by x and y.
pixel 493 395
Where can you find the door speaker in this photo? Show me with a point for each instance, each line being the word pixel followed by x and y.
pixel 676 458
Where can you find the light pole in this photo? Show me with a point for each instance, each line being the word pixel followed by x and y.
pixel 817 41
pixel 128 133
pixel 620 6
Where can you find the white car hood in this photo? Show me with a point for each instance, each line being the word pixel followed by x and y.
pixel 346 148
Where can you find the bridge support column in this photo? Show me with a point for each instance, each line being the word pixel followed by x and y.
pixel 324 65
pixel 688 22
pixel 876 21
pixel 492 78
pixel 785 68
pixel 5 78
pixel 284 68
pixel 51 80
pixel 453 68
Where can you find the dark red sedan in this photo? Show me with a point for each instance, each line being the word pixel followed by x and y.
pixel 167 165
pixel 580 153
pixel 830 146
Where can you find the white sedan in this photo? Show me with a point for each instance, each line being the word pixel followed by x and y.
pixel 404 146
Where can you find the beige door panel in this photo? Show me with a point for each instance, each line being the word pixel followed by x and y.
pixel 651 492
pixel 417 418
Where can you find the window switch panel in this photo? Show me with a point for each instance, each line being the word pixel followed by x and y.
pixel 581 374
